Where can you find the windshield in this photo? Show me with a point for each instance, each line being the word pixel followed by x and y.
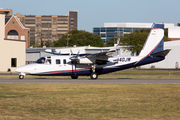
pixel 41 60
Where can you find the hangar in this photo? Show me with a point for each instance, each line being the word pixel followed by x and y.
pixel 13 39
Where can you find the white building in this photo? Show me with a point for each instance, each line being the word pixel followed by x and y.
pixel 172 60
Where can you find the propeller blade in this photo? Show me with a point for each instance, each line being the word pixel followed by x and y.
pixel 71 52
pixel 77 54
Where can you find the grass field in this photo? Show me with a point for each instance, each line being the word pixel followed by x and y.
pixel 90 101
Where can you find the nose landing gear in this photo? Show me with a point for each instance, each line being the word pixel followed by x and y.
pixel 21 75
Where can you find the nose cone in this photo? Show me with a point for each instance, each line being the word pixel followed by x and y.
pixel 20 69
pixel 26 68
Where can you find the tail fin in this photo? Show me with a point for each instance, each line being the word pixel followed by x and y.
pixel 155 40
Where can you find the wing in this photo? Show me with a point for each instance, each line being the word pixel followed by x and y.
pixel 98 58
pixel 102 55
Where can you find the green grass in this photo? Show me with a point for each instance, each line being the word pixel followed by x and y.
pixel 90 101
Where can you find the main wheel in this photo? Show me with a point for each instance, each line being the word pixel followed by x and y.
pixel 74 77
pixel 21 76
pixel 94 75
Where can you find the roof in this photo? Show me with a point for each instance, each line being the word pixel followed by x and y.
pixel 19 22
pixel 172 43
pixel 135 25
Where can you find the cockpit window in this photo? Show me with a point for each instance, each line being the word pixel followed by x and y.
pixel 48 61
pixel 41 60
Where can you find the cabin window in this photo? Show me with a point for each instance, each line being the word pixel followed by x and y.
pixel 64 61
pixel 58 61
pixel 13 62
pixel 40 60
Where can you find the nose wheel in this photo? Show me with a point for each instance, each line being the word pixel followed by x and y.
pixel 21 76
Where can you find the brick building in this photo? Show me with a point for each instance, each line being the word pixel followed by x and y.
pixel 14 30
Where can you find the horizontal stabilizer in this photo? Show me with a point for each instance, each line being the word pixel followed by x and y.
pixel 161 54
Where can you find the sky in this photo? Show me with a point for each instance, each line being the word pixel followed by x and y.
pixel 94 13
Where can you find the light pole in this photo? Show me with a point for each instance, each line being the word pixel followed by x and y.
pixel 118 36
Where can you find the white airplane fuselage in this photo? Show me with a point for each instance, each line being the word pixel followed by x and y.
pixel 66 68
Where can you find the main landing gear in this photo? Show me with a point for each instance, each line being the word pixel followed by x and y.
pixel 93 75
pixel 74 77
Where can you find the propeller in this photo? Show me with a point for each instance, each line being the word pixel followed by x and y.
pixel 74 59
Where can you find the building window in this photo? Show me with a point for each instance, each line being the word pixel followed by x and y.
pixel 103 30
pixel 13 62
pixel 13 34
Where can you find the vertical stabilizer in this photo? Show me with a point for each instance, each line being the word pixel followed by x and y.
pixel 155 40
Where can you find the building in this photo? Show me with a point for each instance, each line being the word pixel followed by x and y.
pixel 14 30
pixel 6 11
pixel 174 33
pixel 46 27
pixel 49 27
pixel 172 60
pixel 111 30
pixel 12 44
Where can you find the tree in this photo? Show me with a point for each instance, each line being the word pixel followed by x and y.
pixel 178 24
pixel 32 42
pixel 49 43
pixel 111 42
pixel 137 39
pixel 79 38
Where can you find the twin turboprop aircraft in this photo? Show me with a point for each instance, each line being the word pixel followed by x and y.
pixel 99 63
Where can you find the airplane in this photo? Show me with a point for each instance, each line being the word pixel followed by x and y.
pixel 92 65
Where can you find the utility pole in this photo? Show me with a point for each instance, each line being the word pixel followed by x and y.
pixel 44 39
pixel 68 38
pixel 114 39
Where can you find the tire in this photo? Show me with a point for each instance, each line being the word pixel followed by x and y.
pixel 21 76
pixel 94 75
pixel 74 77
